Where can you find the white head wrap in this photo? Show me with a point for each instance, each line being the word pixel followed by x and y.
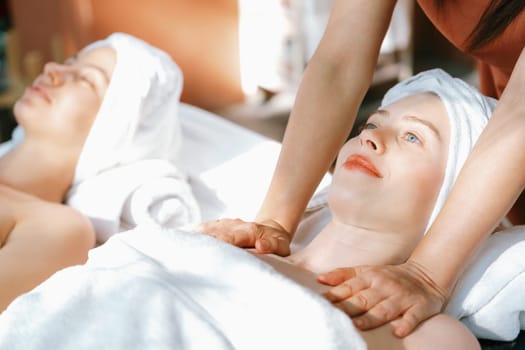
pixel 468 112
pixel 138 116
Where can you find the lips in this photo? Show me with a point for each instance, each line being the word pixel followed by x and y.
pixel 37 89
pixel 361 163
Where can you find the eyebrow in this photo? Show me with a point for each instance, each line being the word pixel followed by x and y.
pixel 412 118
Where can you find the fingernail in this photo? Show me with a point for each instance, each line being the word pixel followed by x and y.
pixel 398 332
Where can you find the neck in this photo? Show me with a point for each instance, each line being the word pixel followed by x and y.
pixel 340 244
pixel 40 169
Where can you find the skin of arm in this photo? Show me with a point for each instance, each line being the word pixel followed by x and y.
pixel 493 177
pixel 333 87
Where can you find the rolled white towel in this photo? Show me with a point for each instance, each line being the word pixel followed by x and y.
pixel 166 201
pixel 147 192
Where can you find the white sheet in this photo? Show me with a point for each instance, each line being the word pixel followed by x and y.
pixel 229 167
pixel 153 289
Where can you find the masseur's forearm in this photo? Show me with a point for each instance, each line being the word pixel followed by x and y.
pixel 488 185
pixel 333 86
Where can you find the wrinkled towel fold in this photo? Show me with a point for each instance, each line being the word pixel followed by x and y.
pixel 138 116
pixel 153 289
pixel 147 192
pixel 490 296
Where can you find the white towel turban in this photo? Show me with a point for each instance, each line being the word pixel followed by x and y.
pixel 138 116
pixel 468 112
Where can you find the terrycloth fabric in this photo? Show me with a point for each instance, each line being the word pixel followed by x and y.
pixel 153 289
pixel 468 111
pixel 135 139
pixel 138 116
pixel 490 296
pixel 147 192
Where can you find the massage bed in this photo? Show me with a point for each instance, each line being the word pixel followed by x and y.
pixel 114 300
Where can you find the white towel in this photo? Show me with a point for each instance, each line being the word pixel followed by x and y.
pixel 154 289
pixel 468 112
pixel 147 192
pixel 490 296
pixel 138 116
pixel 133 145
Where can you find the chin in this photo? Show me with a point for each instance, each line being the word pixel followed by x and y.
pixel 24 112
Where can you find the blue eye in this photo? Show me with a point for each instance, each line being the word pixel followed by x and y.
pixel 412 138
pixel 369 126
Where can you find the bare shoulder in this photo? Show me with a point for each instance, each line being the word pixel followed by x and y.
pixel 7 214
pixel 27 214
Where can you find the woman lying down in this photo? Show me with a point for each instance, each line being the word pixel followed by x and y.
pixel 174 289
pixel 97 129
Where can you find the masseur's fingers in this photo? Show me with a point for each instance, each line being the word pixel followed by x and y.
pixel 338 276
pixel 375 295
pixel 382 311
pixel 364 300
pixel 413 317
pixel 272 242
pixel 345 290
pixel 234 231
pixel 267 237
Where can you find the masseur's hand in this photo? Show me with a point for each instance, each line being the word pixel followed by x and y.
pixel 375 295
pixel 266 237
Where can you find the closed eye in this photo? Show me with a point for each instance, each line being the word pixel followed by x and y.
pixel 85 79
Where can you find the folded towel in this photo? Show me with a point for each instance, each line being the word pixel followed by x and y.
pixel 468 112
pixel 133 145
pixel 490 296
pixel 167 201
pixel 166 289
pixel 138 116
pixel 147 192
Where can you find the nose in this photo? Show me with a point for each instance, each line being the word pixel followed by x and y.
pixel 54 72
pixel 374 139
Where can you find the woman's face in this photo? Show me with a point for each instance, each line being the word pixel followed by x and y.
pixel 389 176
pixel 62 103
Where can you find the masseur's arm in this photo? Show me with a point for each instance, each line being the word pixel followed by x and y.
pixel 334 84
pixel 333 87
pixel 489 183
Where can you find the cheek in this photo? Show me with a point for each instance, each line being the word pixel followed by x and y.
pixel 77 114
pixel 350 147
pixel 423 182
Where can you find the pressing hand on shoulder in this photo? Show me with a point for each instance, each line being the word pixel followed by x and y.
pixel 266 237
pixel 403 294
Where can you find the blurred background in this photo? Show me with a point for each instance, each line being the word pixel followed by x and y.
pixel 241 59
